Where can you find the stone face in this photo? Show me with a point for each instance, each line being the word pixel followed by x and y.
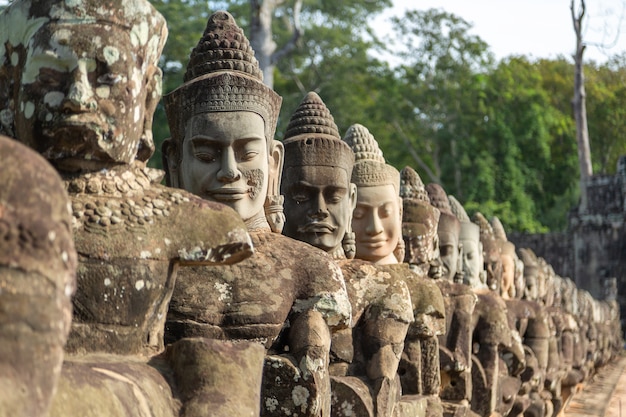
pixel 37 279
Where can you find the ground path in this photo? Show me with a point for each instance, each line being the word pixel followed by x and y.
pixel 603 396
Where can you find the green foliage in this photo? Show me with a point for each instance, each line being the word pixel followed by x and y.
pixel 500 136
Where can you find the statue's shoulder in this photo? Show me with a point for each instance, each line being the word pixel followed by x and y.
pixel 128 213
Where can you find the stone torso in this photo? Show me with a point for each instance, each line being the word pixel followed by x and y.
pixel 253 299
pixel 375 293
pixel 130 234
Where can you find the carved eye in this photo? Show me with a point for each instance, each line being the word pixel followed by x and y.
pixel 109 79
pixel 49 77
pixel 249 155
pixel 299 197
pixel 206 156
pixel 358 213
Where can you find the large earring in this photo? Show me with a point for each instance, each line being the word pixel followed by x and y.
pixel 273 206
pixel 274 212
pixel 348 243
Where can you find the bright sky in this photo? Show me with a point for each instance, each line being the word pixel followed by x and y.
pixel 537 28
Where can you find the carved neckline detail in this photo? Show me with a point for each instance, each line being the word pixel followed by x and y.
pixel 119 180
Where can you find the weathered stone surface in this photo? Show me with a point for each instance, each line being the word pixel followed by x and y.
pixel 113 386
pixel 217 378
pixel 37 279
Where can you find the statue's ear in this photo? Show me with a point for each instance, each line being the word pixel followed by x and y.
pixel 276 161
pixel 353 192
pixel 171 157
pixel 273 200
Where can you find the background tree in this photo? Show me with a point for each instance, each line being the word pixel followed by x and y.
pixel 579 104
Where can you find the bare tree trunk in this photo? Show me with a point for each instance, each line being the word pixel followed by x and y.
pixel 261 35
pixel 579 106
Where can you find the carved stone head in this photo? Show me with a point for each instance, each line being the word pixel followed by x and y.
pixel 377 218
pixel 82 79
pixel 507 256
pixel 222 121
pixel 448 231
pixel 474 273
pixel 319 196
pixel 491 252
pixel 531 272
pixel 419 221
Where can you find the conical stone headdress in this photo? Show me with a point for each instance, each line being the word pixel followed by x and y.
pixel 222 75
pixel 439 199
pixel 312 138
pixel 370 168
pixel 469 230
pixel 506 247
pixel 419 217
pixel 486 234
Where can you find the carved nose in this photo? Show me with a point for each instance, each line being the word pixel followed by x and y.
pixel 80 96
pixel 374 225
pixel 228 171
pixel 319 214
pixel 320 211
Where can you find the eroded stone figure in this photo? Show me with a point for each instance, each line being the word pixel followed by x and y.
pixel 531 320
pixel 287 295
pixel 498 345
pixel 319 199
pixel 37 278
pixel 82 84
pixel 456 343
pixel 377 224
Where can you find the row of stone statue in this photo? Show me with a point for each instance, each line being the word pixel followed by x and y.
pixel 298 278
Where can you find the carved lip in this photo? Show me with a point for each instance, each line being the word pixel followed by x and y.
pixel 228 194
pixel 374 243
pixel 317 227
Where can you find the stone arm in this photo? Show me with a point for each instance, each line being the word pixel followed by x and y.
pixel 322 306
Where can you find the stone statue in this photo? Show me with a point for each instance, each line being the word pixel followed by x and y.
pixel 474 273
pixel 378 231
pixel 507 258
pixel 83 83
pixel 288 294
pixel 530 319
pixel 501 353
pixel 37 277
pixel 425 347
pixel 319 199
pixel 456 343
pixel 448 231
pixel 419 225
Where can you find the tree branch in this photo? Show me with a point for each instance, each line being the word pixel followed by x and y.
pixel 416 157
pixel 297 34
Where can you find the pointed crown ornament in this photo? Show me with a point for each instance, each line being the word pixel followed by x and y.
pixel 370 168
pixel 419 217
pixel 506 247
pixel 312 138
pixel 469 230
pixel 222 75
pixel 439 199
pixel 487 236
